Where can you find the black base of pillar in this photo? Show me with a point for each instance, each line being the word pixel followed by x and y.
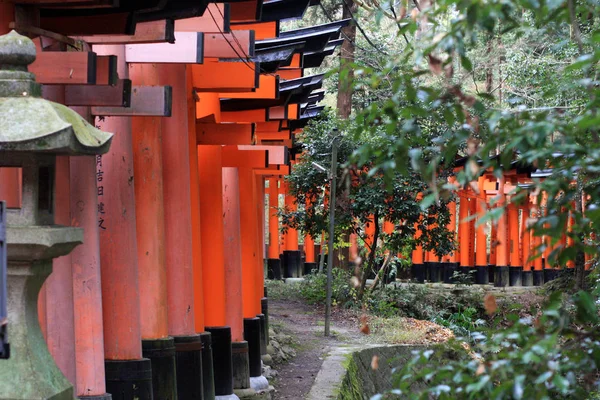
pixel 419 273
pixel 292 264
pixel 482 275
pixel 309 267
pixel 239 362
pixel 263 336
pixel 274 268
pixel 516 276
pixel 129 379
pixel 550 274
pixel 491 272
pixel 188 358
pixel 106 396
pixel 538 278
pixel 252 334
pixel 449 270
pixel 264 308
pixel 435 272
pixel 222 368
pixel 527 277
pixel 161 353
pixel 208 375
pixel 502 276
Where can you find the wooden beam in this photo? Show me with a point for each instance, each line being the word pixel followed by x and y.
pixel 232 157
pixel 208 107
pixel 214 76
pixel 187 49
pixel 283 135
pixel 57 67
pixel 238 44
pixel 146 101
pixel 268 88
pixel 145 32
pixel 99 24
pixel 262 30
pixel 244 116
pixel 277 113
pixel 225 134
pixel 106 70
pixel 118 95
pixel 271 126
pixel 214 19
pixel 293 73
pixel 278 155
pixel 245 11
pixel 274 170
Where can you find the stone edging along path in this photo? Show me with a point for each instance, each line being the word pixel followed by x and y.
pixel 347 373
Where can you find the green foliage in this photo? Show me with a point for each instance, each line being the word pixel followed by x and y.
pixel 279 290
pixel 556 355
pixel 494 81
pixel 363 196
pixel 314 288
pixel 420 302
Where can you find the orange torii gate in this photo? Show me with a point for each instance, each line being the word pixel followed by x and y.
pixel 507 259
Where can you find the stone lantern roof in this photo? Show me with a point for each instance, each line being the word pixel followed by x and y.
pixel 29 123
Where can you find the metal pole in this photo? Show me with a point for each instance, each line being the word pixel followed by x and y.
pixel 331 234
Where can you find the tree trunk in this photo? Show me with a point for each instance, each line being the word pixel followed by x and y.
pixel 371 263
pixel 345 84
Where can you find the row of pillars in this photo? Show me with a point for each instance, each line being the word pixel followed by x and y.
pixel 285 258
pixel 165 298
pixel 505 253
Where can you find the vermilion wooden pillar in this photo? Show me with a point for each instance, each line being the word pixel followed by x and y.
pixel 283 236
pixel 569 239
pixel 213 265
pixel 87 288
pixel 449 262
pixel 259 202
pixel 472 232
pixel 250 243
pixel 418 267
pixel 157 345
pixel 526 245
pixel 464 236
pixel 309 253
pixel 179 156
pixel 233 248
pixel 259 382
pixel 501 277
pixel 274 261
pixel 211 214
pixel 292 257
pixel 126 371
pixel 493 245
pixel 538 266
pixel 86 279
pixel 232 242
pixel 481 262
pixel 516 264
pixel 292 234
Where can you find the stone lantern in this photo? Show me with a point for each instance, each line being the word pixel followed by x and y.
pixel 32 132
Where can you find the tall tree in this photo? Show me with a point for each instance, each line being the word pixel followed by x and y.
pixel 347 55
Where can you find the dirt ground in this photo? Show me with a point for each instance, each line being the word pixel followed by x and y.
pixel 305 324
